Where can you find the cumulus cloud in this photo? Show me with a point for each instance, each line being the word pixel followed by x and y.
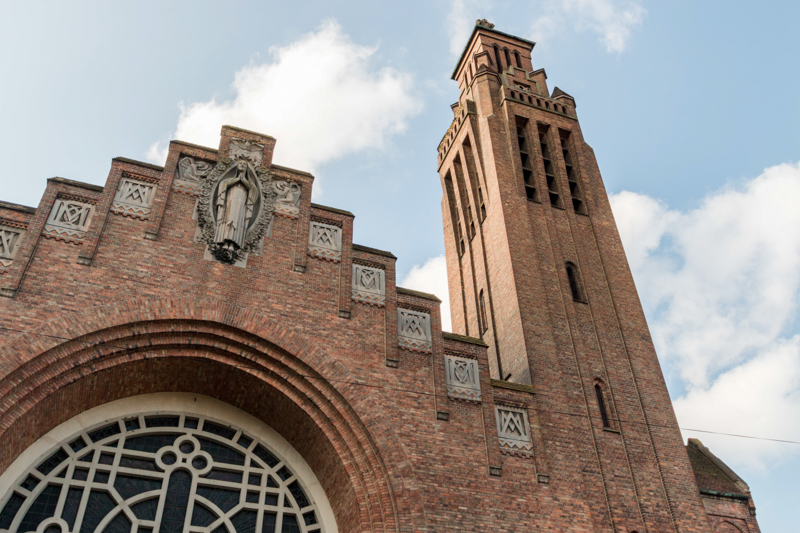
pixel 460 21
pixel 720 285
pixel 320 96
pixel 612 20
pixel 431 277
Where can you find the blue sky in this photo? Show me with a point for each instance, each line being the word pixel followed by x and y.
pixel 692 109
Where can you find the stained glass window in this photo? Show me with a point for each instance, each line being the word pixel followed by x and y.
pixel 160 474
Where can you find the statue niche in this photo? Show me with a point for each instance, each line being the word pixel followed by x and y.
pixel 236 206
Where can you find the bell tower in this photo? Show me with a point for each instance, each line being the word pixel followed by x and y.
pixel 537 270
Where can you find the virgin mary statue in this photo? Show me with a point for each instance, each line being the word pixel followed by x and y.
pixel 233 209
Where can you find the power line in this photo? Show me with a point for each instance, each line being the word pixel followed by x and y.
pixel 409 391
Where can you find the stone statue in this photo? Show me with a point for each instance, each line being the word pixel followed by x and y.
pixel 235 208
pixel 485 23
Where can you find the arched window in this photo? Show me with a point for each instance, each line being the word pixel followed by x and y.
pixel 574 283
pixel 497 58
pixel 484 322
pixel 174 471
pixel 508 57
pixel 518 59
pixel 601 403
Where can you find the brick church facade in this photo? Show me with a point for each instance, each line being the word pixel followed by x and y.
pixel 198 347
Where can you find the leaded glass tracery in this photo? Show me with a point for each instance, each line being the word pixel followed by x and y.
pixel 160 473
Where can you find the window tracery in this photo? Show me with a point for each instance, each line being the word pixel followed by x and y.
pixel 164 473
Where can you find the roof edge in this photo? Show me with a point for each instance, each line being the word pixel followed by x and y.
pixel 139 163
pixel 418 294
pixel 81 184
pixel 463 338
pixel 332 210
pixel 474 31
pixel 734 477
pixel 17 207
pixel 367 249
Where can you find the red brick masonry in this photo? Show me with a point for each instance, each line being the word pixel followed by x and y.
pixel 133 304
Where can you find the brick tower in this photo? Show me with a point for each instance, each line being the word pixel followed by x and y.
pixel 537 270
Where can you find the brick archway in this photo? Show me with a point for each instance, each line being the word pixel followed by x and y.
pixel 226 352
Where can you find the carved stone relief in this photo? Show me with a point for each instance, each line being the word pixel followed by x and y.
pixel 235 209
pixel 190 173
pixel 413 330
pixel 369 284
pixel 134 197
pixel 10 240
pixel 250 151
pixel 463 378
pixel 513 429
pixel 287 199
pixel 69 219
pixel 325 241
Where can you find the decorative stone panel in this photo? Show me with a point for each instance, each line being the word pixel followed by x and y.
pixel 134 196
pixel 513 428
pixel 413 330
pixel 463 378
pixel 10 240
pixel 325 241
pixel 369 284
pixel 189 175
pixel 69 219
pixel 287 199
pixel 248 150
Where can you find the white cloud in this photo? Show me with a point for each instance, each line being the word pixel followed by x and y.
pixel 720 285
pixel 431 277
pixel 319 96
pixel 612 20
pixel 460 21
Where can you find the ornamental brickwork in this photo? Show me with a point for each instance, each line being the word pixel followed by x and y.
pixel 215 282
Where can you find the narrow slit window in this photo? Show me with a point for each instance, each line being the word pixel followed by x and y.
pixel 574 284
pixel 549 168
pixel 602 405
pixel 484 323
pixel 525 161
pixel 518 59
pixel 471 222
pixel 497 58
pixel 508 57
pixel 572 174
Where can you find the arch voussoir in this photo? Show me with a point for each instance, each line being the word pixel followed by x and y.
pixel 219 336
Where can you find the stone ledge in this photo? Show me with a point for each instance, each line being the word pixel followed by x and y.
pixel 138 163
pixel 367 249
pixel 74 183
pixel 184 143
pixel 463 338
pixel 249 131
pixel 732 495
pixel 289 169
pixel 332 210
pixel 418 294
pixel 512 386
pixel 17 207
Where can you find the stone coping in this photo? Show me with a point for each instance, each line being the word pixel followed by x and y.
pixel 17 207
pixel 418 294
pixel 512 386
pixel 367 249
pixel 332 209
pixel 80 184
pixel 138 163
pixel 463 338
